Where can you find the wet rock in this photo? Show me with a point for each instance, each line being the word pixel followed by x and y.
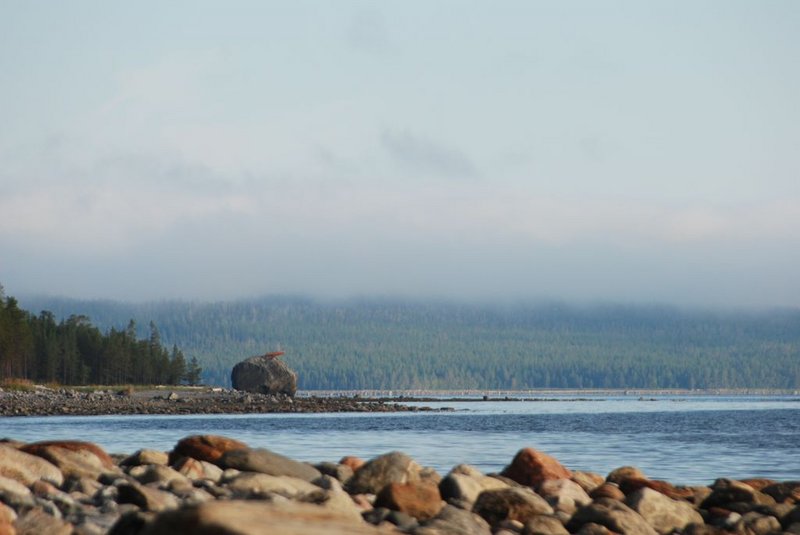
pixel 27 468
pixel 614 515
pixel 264 375
pixel 37 522
pixel 519 504
pixel 419 499
pixel 394 467
pixel 531 467
pixel 663 513
pixel 544 525
pixel 146 457
pixel 255 518
pixel 454 521
pixel 267 462
pixel 204 448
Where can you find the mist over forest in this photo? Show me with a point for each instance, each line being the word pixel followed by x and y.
pixel 418 344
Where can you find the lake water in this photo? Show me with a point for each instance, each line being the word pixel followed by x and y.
pixel 682 439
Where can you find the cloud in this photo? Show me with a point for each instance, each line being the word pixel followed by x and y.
pixel 421 155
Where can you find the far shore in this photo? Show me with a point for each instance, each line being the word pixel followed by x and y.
pixel 40 400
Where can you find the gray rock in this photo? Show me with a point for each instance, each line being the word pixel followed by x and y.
pixel 394 467
pixel 728 491
pixel 520 504
pixel 267 462
pixel 156 473
pixel 663 513
pixel 564 495
pixel 340 471
pixel 264 375
pixel 454 521
pixel 146 498
pixel 253 484
pixel 461 488
pixel 614 515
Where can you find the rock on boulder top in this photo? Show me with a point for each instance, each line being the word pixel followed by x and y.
pixel 265 375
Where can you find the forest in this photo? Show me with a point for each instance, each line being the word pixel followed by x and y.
pixel 396 344
pixel 72 351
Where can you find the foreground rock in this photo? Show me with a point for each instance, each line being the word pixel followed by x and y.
pixel 211 484
pixel 264 375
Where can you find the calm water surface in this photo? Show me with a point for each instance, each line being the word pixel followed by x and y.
pixel 680 439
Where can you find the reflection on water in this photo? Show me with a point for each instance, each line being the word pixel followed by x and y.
pixel 684 440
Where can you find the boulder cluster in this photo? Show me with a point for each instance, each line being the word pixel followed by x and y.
pixel 217 485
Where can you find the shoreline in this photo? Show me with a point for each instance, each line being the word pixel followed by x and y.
pixel 163 400
pixel 68 402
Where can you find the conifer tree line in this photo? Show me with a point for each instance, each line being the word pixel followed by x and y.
pixel 75 352
pixel 395 344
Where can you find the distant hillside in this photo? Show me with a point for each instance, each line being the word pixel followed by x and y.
pixel 393 345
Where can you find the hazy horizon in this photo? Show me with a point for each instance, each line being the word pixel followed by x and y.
pixel 458 150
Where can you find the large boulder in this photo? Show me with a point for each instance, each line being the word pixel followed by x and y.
pixel 264 375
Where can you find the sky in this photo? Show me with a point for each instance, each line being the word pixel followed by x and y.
pixel 621 151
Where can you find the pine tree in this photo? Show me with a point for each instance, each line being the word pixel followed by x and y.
pixel 193 372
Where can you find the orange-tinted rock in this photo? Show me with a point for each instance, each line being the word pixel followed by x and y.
pixel 624 472
pixel 758 483
pixel 530 467
pixel 607 490
pixel 354 463
pixel 418 499
pixel 204 448
pixel 37 448
pixel 7 514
